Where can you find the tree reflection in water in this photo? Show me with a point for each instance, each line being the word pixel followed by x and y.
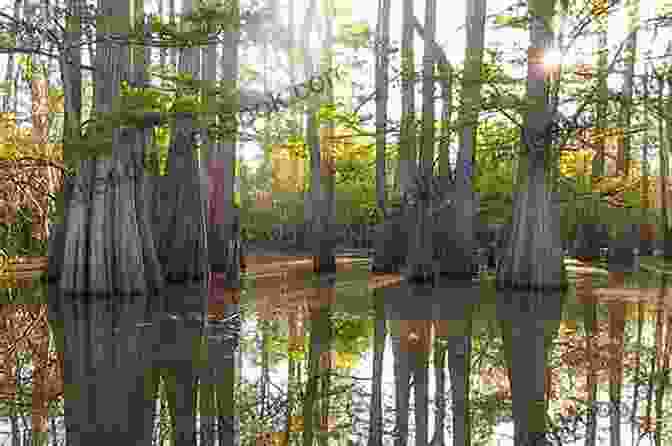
pixel 118 349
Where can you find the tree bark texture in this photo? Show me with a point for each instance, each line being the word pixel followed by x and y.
pixel 533 258
pixel 105 251
pixel 461 264
pixel 382 67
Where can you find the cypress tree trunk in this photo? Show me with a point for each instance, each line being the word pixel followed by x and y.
pixel 327 256
pixel 224 234
pixel 460 262
pixel 104 249
pixel 533 258
pixel 182 239
pixel 9 77
pixel 442 234
pixel 667 247
pixel 663 160
pixel 382 66
pixel 421 251
pixel 407 137
pixel 182 243
pixel 71 76
pixel 628 81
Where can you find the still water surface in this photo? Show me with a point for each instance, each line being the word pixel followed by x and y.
pixel 115 346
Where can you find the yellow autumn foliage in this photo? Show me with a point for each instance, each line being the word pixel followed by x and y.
pixel 289 160
pixel 345 360
pixel 578 164
pixel 17 142
pixel 30 168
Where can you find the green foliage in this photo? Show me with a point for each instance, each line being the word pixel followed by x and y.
pixel 509 21
pixel 494 169
pixel 16 239
pixel 207 19
pixel 632 198
pixel 354 35
pixel 352 335
pixel 7 40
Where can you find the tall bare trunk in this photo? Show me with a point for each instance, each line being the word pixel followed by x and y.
pixel 173 51
pixel 407 140
pixel 668 134
pixel 183 238
pixel 70 66
pixel 471 93
pixel 663 162
pixel 601 23
pixel 320 160
pixel 382 66
pixel 223 217
pixel 207 389
pixel 9 77
pixel 446 73
pixel 644 233
pixel 630 53
pixel 163 52
pixel 327 259
pixel 421 250
pixel 533 258
pixel 440 233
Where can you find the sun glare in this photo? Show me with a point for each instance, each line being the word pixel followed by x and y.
pixel 553 58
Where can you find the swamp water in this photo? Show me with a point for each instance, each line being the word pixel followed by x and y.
pixel 285 330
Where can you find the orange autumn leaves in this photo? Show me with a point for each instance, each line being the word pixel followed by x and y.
pixel 30 166
pixel 24 328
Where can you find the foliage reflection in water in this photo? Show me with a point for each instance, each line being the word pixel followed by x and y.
pixel 291 356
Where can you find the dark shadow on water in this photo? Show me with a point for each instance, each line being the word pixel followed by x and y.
pixel 118 347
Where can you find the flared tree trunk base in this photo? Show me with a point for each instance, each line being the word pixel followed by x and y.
pixel 108 245
pixel 453 248
pixel 57 236
pixel 183 222
pixel 390 245
pixel 324 247
pixel 533 260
